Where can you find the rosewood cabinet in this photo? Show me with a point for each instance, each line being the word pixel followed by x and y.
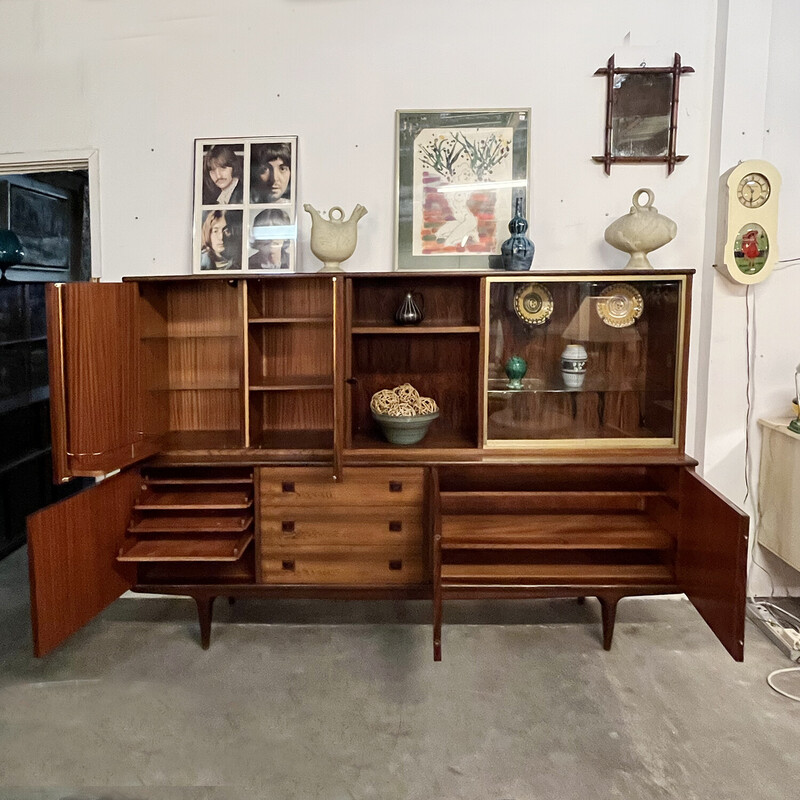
pixel 237 411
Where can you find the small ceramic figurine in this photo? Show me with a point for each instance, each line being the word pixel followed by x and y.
pixel 641 231
pixel 409 313
pixel 516 367
pixel 573 365
pixel 333 240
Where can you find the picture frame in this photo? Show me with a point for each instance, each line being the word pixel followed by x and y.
pixel 458 174
pixel 641 114
pixel 245 205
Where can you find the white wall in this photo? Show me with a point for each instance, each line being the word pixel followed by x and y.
pixel 760 119
pixel 140 81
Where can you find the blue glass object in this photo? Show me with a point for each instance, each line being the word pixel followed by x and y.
pixel 11 251
pixel 517 251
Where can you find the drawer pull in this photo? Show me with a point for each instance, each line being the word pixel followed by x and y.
pixel 287 527
pixel 288 565
pixel 287 486
pixel 396 565
pixel 395 486
pixel 395 526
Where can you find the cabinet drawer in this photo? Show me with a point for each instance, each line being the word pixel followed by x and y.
pixel 360 487
pixel 365 566
pixel 312 528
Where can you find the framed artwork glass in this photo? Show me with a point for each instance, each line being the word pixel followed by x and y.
pixel 245 206
pixel 459 174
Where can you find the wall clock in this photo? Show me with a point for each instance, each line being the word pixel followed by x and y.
pixel 747 247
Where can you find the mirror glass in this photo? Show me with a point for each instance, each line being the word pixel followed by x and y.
pixel 641 114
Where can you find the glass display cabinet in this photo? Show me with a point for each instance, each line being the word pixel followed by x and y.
pixel 569 360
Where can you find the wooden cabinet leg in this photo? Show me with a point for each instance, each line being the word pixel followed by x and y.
pixel 581 601
pixel 437 632
pixel 204 611
pixel 608 606
pixel 437 597
pixel 437 621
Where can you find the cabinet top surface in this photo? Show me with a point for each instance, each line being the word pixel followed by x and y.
pixel 595 274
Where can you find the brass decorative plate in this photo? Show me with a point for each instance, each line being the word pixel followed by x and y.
pixel 620 305
pixel 533 303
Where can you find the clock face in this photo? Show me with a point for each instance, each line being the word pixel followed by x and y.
pixel 753 190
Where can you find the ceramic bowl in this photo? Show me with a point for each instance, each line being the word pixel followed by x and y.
pixel 405 430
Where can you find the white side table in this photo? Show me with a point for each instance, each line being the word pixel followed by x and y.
pixel 779 491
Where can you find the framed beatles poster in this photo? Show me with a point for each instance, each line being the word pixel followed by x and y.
pixel 459 174
pixel 245 207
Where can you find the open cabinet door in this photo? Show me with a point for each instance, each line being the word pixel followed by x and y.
pixel 72 549
pixel 711 563
pixel 94 354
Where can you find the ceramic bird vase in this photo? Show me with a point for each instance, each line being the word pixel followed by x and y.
pixel 333 240
pixel 641 231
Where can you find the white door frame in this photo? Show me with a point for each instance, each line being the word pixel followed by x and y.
pixel 58 161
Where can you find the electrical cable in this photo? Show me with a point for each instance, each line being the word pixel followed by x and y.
pixel 785 613
pixel 787 262
pixel 749 333
pixel 775 688
pixel 747 392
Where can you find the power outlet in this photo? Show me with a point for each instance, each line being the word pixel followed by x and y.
pixel 786 638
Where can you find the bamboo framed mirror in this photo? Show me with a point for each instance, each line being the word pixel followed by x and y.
pixel 641 114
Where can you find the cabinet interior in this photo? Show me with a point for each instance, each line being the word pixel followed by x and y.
pixel 630 390
pixel 191 363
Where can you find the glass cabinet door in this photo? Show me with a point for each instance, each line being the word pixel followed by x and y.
pixel 571 359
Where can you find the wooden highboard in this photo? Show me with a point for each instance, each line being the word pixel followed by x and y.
pixel 238 411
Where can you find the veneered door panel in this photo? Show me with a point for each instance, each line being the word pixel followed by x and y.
pixel 94 364
pixel 72 554
pixel 711 563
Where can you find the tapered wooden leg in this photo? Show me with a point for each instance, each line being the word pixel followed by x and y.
pixel 204 610
pixel 437 630
pixel 608 607
pixel 437 598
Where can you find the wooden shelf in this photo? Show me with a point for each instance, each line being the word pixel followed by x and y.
pixel 183 481
pixel 433 441
pixel 202 441
pixel 185 549
pixel 553 532
pixel 207 387
pixel 401 330
pixel 183 525
pixel 554 574
pixel 200 335
pixel 310 440
pixel 324 382
pixel 544 502
pixel 199 572
pixel 194 501
pixel 290 320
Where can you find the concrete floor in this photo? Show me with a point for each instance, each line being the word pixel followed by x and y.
pixel 317 701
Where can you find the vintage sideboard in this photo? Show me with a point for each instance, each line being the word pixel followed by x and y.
pixel 231 418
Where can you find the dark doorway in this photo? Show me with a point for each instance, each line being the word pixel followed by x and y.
pixel 49 212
